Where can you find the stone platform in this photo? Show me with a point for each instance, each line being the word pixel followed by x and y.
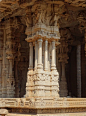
pixel 61 114
pixel 44 107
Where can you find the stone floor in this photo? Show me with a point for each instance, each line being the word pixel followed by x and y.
pixel 61 114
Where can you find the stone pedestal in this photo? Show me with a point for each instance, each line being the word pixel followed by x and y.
pixel 42 83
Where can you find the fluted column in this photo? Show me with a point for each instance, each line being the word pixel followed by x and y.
pixel 31 57
pixel 53 65
pixel 79 70
pixel 36 54
pixel 40 66
pixel 46 56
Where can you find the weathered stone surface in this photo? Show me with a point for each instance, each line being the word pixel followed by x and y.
pixel 52 28
pixel 59 114
pixel 3 111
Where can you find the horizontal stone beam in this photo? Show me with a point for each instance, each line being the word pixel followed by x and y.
pixel 42 103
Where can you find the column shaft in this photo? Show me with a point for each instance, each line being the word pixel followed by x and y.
pixel 79 70
pixel 40 54
pixel 10 68
pixel 49 59
pixel 53 65
pixel 31 57
pixel 0 68
pixel 36 54
pixel 16 80
pixel 63 69
pixel 46 56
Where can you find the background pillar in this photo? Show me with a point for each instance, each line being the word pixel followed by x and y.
pixel 79 70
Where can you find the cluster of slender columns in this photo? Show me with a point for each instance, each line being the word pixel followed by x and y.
pixel 38 55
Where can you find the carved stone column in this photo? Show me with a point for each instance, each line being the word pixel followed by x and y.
pixel 36 54
pixel 79 70
pixel 43 53
pixel 85 42
pixel 46 56
pixel 63 83
pixel 40 66
pixel 53 65
pixel 31 57
pixel 4 70
pixel 62 55
pixel 16 80
pixel 10 80
pixel 54 73
pixel 17 59
pixel 1 57
pixel 10 52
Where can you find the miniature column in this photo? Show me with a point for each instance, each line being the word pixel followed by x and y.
pixel 49 59
pixel 53 65
pixel 31 57
pixel 46 56
pixel 79 70
pixel 36 54
pixel 40 66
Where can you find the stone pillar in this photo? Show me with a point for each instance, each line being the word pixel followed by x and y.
pixel 53 65
pixel 0 68
pixel 30 82
pixel 10 81
pixel 4 67
pixel 40 66
pixel 31 57
pixel 79 70
pixel 54 74
pixel 46 56
pixel 0 78
pixel 49 59
pixel 16 80
pixel 36 54
pixel 43 53
pixel 10 51
pixel 1 48
pixel 63 83
pixel 10 67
